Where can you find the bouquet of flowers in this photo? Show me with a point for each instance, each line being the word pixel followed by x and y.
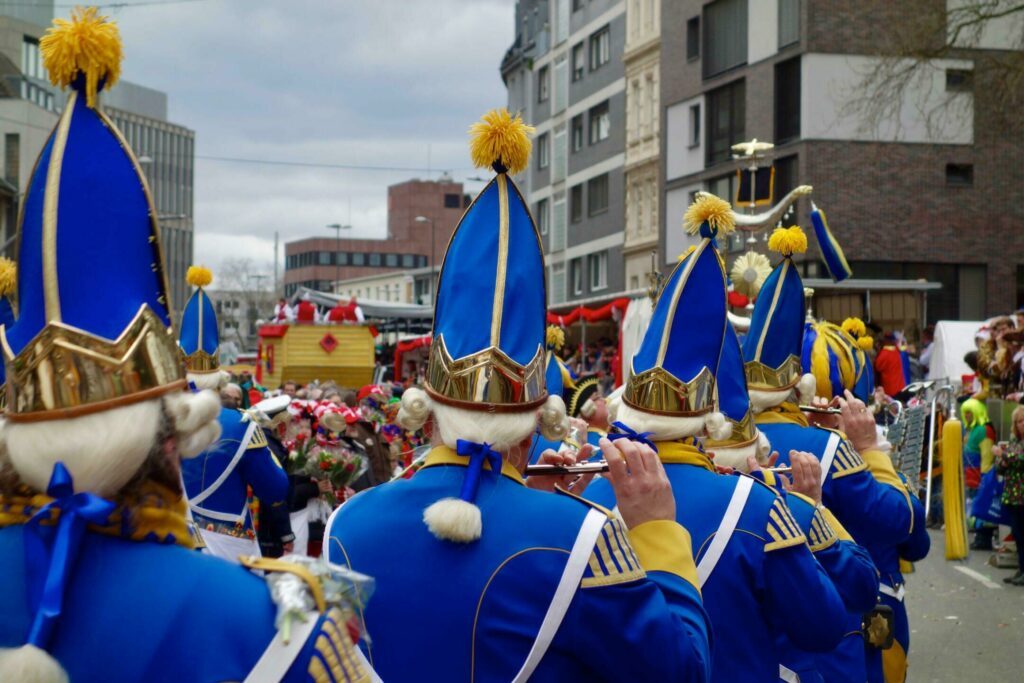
pixel 318 450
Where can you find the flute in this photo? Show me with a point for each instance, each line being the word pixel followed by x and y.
pixel 829 410
pixel 559 470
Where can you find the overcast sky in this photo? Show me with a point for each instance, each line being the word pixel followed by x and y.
pixel 363 82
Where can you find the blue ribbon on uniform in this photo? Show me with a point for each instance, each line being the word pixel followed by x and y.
pixel 53 552
pixel 478 453
pixel 626 432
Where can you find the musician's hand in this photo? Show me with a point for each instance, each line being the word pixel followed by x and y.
pixel 754 467
pixel 721 469
pixel 858 423
pixel 546 482
pixel 806 475
pixel 826 420
pixel 642 489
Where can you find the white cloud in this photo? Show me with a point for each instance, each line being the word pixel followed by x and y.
pixel 371 83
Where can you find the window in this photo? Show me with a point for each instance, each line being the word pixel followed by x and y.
pixel 725 36
pixel 543 220
pixel 577 5
pixel 1020 287
pixel 452 201
pixel 408 261
pixel 960 175
pixel 543 151
pixel 391 260
pixel 694 125
pixel 577 62
pixel 789 22
pixel 693 39
pixel 597 194
pixel 600 122
pixel 576 275
pixel 577 133
pixel 785 175
pixel 374 260
pixel 787 100
pixel 959 80
pixel 543 84
pixel 323 258
pixel 600 48
pixel 31 61
pixel 725 121
pixel 341 258
pixel 597 266
pixel 358 259
pixel 576 203
pixel 722 187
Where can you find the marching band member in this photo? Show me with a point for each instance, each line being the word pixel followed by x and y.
pixel 218 479
pixel 752 558
pixel 838 362
pixel 871 511
pixel 96 558
pixel 479 576
pixel 847 564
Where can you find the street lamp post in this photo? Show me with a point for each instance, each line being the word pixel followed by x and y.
pixel 337 227
pixel 433 280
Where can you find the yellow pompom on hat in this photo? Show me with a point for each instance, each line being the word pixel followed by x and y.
pixel 199 276
pixel 86 46
pixel 500 141
pixel 788 241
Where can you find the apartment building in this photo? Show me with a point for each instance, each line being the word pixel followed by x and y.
pixel 564 72
pixel 909 198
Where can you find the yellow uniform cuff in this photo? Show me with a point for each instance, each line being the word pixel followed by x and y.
pixel 664 546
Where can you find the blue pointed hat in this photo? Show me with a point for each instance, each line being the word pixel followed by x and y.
pixel 488 349
pixel 733 400
pixel 772 346
pixel 93 329
pixel 198 338
pixel 673 371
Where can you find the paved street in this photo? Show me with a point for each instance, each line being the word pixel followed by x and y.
pixel 966 624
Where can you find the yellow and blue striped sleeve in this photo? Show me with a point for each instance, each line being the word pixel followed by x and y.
pixel 781 528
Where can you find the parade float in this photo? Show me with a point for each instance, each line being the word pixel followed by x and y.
pixel 302 353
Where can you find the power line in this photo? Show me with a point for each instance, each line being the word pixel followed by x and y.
pixel 313 164
pixel 104 5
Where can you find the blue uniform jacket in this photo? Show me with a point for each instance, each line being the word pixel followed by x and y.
pixel 445 611
pixel 766 581
pixel 142 611
pixel 257 467
pixel 872 512
pixel 853 573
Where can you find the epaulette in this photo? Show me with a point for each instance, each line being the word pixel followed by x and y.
pixel 259 439
pixel 782 528
pixel 847 461
pixel 821 534
pixel 335 659
pixel 613 560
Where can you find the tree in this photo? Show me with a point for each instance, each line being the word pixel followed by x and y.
pixel 239 281
pixel 913 51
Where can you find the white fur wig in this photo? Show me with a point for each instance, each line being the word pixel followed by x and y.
pixel 454 519
pixel 761 400
pixel 214 381
pixel 736 457
pixel 670 428
pixel 104 450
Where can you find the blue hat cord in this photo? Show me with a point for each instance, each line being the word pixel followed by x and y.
pixel 709 233
pixel 478 453
pixel 627 432
pixel 53 553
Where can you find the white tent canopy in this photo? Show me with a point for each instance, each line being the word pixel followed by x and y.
pixel 953 339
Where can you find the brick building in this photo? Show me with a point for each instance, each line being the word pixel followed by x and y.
pixel 907 199
pixel 318 262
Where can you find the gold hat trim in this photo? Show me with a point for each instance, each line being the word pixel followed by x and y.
pixel 65 372
pixel 485 379
pixel 200 362
pixel 760 377
pixel 659 392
